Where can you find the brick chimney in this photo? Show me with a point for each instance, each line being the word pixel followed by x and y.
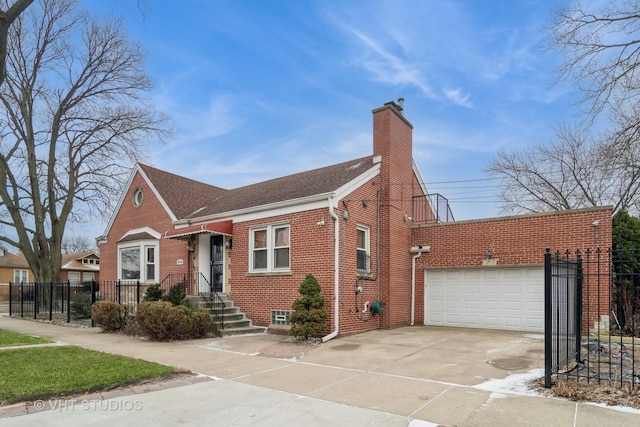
pixel 392 140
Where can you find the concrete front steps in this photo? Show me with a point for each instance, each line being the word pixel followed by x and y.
pixel 235 321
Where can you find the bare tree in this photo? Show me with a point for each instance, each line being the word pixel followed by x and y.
pixel 73 121
pixel 601 47
pixel 8 14
pixel 76 244
pixel 600 43
pixel 570 173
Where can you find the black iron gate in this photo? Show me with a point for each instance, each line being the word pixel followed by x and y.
pixel 563 312
pixel 583 291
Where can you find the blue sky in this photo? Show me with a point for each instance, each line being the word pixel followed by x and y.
pixel 260 89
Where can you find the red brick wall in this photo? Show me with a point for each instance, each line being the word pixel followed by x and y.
pixel 515 240
pixel 149 214
pixel 64 275
pixel 312 251
pixel 392 139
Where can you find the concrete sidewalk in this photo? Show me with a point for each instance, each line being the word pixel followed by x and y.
pixel 415 376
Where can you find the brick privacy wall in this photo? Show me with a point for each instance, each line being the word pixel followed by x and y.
pixel 392 139
pixel 514 241
pixel 149 214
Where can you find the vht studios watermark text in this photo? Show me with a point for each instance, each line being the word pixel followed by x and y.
pixel 88 405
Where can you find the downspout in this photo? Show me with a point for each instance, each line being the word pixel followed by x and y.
pixel 336 274
pixel 413 285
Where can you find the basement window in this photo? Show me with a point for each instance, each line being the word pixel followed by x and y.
pixel 280 317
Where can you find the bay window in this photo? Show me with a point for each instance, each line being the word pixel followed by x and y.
pixel 137 260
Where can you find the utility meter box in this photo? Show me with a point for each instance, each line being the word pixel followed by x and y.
pixel 376 307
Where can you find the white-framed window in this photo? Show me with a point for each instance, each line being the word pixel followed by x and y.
pixel 362 249
pixel 270 248
pixel 20 276
pixel 138 197
pixel 74 277
pixel 137 260
pixel 88 277
pixel 150 262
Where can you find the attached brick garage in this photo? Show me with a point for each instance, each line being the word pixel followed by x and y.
pixel 458 285
pixel 510 298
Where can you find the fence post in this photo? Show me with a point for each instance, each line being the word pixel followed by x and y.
pixel 21 299
pixel 579 306
pixel 51 301
pixel 10 300
pixel 35 300
pixel 118 291
pixel 93 299
pixel 138 292
pixel 548 334
pixel 68 301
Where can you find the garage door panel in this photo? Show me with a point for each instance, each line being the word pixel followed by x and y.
pixel 472 304
pixel 492 289
pixel 496 298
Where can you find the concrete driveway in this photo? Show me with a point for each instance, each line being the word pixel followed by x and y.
pixel 418 376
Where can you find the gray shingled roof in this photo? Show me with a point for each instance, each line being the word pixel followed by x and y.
pixel 192 199
pixel 182 195
pixel 296 186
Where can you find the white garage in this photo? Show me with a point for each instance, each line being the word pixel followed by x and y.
pixel 490 297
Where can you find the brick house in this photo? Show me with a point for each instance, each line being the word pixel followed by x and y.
pixel 365 228
pixel 80 267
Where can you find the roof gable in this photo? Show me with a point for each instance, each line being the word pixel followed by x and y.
pixel 183 196
pixel 75 261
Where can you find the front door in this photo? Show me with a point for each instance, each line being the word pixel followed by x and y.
pixel 217 262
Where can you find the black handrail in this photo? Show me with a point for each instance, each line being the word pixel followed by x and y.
pixel 213 300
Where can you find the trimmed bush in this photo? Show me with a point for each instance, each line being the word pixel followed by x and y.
pixel 153 293
pixel 162 321
pixel 176 294
pixel 309 317
pixel 110 316
pixel 81 306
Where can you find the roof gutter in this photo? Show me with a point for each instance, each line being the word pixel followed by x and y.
pixel 336 275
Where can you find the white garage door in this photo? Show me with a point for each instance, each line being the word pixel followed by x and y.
pixel 491 298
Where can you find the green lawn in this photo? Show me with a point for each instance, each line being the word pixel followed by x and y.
pixel 31 373
pixel 14 338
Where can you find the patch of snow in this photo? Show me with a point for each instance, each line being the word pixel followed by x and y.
pixel 421 423
pixel 626 409
pixel 515 384
pixel 213 377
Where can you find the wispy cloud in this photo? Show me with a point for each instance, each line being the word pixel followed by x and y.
pixel 457 97
pixel 389 68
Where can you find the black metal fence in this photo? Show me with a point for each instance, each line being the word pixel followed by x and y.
pixel 583 291
pixel 431 208
pixel 69 302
